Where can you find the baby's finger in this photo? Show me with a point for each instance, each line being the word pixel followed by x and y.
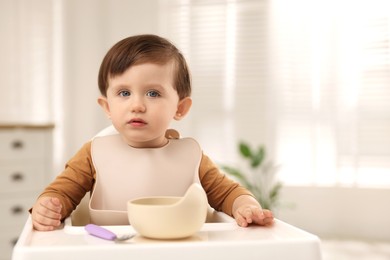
pixel 268 214
pixel 257 213
pixel 44 223
pixel 41 227
pixel 269 217
pixel 55 202
pixel 247 213
pixel 48 211
pixel 46 217
pixel 51 204
pixel 241 220
pixel 266 220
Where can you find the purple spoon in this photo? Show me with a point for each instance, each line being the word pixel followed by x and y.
pixel 106 234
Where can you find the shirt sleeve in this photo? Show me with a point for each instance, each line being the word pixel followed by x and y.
pixel 220 189
pixel 74 182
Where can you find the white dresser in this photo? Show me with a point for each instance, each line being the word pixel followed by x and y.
pixel 25 168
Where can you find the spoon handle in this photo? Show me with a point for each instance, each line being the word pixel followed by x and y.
pixel 101 232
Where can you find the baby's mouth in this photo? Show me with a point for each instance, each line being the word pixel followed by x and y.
pixel 137 122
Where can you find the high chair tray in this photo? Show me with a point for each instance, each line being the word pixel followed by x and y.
pixel 224 240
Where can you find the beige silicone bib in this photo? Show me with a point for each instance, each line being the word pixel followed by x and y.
pixel 124 173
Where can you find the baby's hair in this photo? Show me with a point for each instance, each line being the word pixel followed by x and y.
pixel 141 49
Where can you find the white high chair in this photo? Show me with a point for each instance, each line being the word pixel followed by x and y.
pixel 217 237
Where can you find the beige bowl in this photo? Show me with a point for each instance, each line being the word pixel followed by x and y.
pixel 169 217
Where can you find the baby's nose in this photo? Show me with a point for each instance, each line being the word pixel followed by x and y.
pixel 137 106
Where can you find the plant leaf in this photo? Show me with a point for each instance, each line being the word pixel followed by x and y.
pixel 258 158
pixel 261 152
pixel 245 150
pixel 256 161
pixel 274 193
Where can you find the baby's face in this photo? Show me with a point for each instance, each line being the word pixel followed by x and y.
pixel 142 102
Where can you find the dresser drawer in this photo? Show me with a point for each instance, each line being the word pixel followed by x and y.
pixel 22 144
pixel 14 212
pixel 20 177
pixel 8 238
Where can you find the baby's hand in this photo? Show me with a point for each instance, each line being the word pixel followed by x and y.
pixel 46 214
pixel 249 214
pixel 246 210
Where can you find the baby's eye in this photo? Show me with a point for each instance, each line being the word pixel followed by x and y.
pixel 153 93
pixel 124 93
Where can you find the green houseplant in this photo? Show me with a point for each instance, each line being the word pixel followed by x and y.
pixel 259 177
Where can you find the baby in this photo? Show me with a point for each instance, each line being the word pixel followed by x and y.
pixel 144 83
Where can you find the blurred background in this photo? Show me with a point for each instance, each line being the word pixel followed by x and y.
pixel 309 80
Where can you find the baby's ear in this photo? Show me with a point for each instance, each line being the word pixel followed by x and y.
pixel 182 108
pixel 102 101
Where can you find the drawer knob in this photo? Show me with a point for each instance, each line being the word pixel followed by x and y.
pixel 17 144
pixel 13 241
pixel 17 177
pixel 16 210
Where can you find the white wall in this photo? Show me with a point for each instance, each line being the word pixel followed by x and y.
pixel 339 212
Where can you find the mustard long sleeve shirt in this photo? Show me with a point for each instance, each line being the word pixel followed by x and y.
pixel 79 177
